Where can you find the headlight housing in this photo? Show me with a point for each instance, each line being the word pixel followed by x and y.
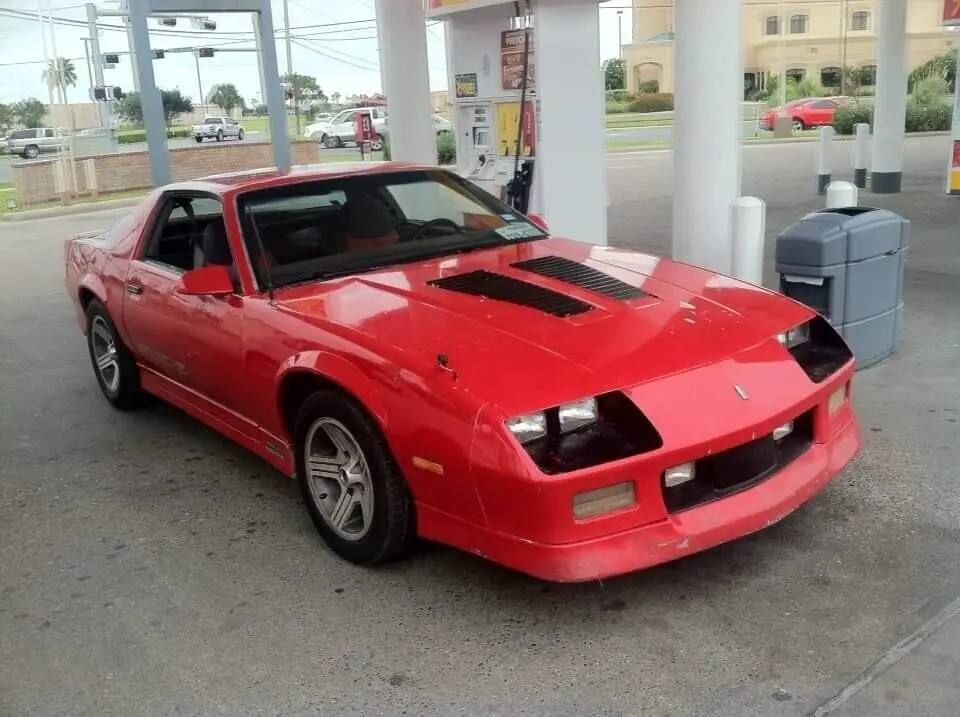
pixel 817 347
pixel 584 433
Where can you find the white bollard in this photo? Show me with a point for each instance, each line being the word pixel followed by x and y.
pixel 861 155
pixel 824 150
pixel 841 195
pixel 748 224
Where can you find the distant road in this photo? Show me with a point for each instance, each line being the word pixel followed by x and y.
pixel 627 134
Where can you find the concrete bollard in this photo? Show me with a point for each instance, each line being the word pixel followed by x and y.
pixel 748 220
pixel 841 195
pixel 861 155
pixel 824 150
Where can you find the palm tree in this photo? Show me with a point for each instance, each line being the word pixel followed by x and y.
pixel 60 74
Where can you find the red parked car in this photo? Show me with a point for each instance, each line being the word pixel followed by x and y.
pixel 807 113
pixel 428 362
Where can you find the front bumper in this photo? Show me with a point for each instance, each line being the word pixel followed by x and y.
pixel 687 532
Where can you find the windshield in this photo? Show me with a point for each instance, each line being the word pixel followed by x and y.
pixel 213 120
pixel 334 227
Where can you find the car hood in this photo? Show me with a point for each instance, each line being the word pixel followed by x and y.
pixel 630 318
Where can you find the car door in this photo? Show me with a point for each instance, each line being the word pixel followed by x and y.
pixel 195 342
pixel 231 127
pixel 819 113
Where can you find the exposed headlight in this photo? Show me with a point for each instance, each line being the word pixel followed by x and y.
pixel 795 336
pixel 568 417
pixel 678 475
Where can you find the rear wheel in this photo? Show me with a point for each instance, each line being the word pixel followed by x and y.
pixel 331 141
pixel 376 144
pixel 114 365
pixel 798 125
pixel 352 486
pixel 31 152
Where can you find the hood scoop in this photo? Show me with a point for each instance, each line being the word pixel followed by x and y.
pixel 580 275
pixel 500 287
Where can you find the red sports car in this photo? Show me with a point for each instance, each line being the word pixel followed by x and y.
pixel 428 362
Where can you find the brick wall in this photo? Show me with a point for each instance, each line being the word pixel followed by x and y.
pixel 34 181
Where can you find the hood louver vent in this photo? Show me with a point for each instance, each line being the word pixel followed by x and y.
pixel 505 288
pixel 581 275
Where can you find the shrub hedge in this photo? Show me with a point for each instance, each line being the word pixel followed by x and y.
pixel 446 148
pixel 936 118
pixel 660 102
pixel 139 135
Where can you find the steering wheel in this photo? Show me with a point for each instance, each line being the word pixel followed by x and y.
pixel 439 221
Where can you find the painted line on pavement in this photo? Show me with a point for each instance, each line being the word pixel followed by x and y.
pixel 890 658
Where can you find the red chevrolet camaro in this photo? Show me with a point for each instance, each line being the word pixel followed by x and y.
pixel 428 362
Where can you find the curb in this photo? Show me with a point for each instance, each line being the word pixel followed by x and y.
pixel 84 208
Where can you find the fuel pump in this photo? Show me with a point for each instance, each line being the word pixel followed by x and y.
pixel 518 188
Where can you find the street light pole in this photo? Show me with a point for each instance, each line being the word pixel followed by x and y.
pixel 782 51
pixel 293 77
pixel 46 54
pixel 196 59
pixel 843 47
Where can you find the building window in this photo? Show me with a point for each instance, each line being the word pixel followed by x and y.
pixel 830 77
pixel 866 76
pixel 798 24
pixel 773 25
pixel 860 21
pixel 797 75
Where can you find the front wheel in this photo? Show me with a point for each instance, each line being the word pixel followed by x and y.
pixel 376 144
pixel 240 134
pixel 798 125
pixel 331 141
pixel 114 365
pixel 31 152
pixel 219 135
pixel 199 139
pixel 353 488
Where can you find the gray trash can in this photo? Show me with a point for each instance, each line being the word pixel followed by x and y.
pixel 847 264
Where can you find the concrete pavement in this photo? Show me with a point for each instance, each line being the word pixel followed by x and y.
pixel 148 566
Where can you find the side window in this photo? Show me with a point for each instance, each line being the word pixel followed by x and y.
pixel 48 133
pixel 824 105
pixel 189 233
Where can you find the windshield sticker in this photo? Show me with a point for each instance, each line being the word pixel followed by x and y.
pixel 523 230
pixel 509 217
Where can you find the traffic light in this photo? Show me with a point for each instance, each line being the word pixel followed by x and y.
pixel 117 93
pixel 208 25
pixel 107 93
pixel 100 94
pixel 111 59
pixel 158 54
pixel 204 52
pixel 167 21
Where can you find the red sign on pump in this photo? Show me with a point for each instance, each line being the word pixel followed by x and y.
pixel 362 127
pixel 951 12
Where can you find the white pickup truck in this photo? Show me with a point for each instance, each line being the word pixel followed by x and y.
pixel 218 128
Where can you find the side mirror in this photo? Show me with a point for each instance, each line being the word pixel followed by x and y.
pixel 213 280
pixel 539 221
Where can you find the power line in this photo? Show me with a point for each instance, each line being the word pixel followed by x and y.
pixel 300 44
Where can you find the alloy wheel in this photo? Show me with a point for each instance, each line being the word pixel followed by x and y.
pixel 105 354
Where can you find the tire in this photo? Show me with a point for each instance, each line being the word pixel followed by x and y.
pixel 199 139
pixel 240 135
pixel 331 141
pixel 121 386
pixel 798 125
pixel 31 151
pixel 376 144
pixel 219 135
pixel 374 528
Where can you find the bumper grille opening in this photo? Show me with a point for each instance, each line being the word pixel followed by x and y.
pixel 621 431
pixel 577 274
pixel 824 353
pixel 500 287
pixel 740 467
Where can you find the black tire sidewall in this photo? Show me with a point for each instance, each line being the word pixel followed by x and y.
pixel 128 393
pixel 390 495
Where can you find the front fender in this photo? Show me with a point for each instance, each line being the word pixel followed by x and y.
pixel 340 371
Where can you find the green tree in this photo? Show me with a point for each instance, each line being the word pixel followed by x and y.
pixel 304 87
pixel 174 104
pixel 6 115
pixel 943 67
pixel 228 97
pixel 29 112
pixel 614 74
pixel 60 74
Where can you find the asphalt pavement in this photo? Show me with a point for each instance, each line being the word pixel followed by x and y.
pixel 149 566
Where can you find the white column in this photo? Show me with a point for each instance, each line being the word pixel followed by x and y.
pixel 707 130
pixel 570 144
pixel 890 106
pixel 405 74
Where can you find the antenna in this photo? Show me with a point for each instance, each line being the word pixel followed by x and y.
pixel 265 262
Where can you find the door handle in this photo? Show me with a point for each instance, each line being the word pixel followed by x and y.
pixel 134 289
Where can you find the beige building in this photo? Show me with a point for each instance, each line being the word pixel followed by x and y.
pixel 807 38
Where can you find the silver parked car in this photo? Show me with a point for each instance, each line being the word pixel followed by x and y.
pixel 32 142
pixel 218 128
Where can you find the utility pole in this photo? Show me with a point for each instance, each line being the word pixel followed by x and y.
pixel 782 53
pixel 96 60
pixel 196 59
pixel 293 77
pixel 843 47
pixel 125 9
pixel 46 54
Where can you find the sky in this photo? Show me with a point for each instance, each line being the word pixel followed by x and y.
pixel 336 43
